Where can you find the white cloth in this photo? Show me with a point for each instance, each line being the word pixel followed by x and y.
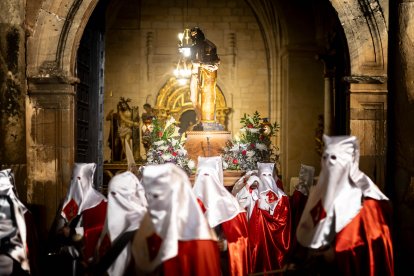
pixel 306 174
pixel 18 250
pixel 269 193
pixel 241 182
pixel 173 215
pixel 127 206
pixel 337 197
pixel 267 169
pixel 215 161
pixel 81 194
pixel 247 195
pixel 220 204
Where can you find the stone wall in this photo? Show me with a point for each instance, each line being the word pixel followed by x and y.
pixel 141 52
pixel 12 88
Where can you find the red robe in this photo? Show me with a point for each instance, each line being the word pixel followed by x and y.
pixel 364 246
pixel 279 184
pixel 236 234
pixel 297 203
pixel 269 237
pixel 93 224
pixel 194 258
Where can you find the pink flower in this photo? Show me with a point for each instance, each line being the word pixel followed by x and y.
pixel 235 161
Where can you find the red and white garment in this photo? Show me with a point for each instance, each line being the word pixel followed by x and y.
pixel 18 245
pixel 81 194
pixel 241 182
pixel 127 206
pixel 248 194
pixel 269 192
pixel 345 210
pixel 174 235
pixel 222 208
pixel 269 224
pixel 337 197
pixel 216 200
pixel 269 170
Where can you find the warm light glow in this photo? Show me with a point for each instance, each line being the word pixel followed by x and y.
pixel 183 70
pixel 180 37
pixel 186 51
pixel 182 81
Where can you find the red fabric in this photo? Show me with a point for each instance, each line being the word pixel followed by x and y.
pixel 94 216
pixel 279 184
pixel 236 234
pixel 93 220
pixel 269 237
pixel 364 246
pixel 195 258
pixel 71 210
pixel 91 237
pixel 203 208
pixel 297 203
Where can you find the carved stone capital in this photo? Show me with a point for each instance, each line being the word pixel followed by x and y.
pixel 49 71
pixel 366 79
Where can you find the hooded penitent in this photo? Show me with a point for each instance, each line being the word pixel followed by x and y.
pixel 337 197
pixel 223 213
pixel 269 192
pixel 174 227
pixel 269 224
pixel 127 206
pixel 12 223
pixel 81 194
pixel 219 204
pixel 268 169
pixel 248 194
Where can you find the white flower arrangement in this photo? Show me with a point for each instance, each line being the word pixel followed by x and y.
pixel 167 146
pixel 252 145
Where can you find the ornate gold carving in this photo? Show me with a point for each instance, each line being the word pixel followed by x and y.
pixel 174 99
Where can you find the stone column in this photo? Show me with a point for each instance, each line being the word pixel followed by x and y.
pixel 401 161
pixel 328 104
pixel 329 92
pixel 50 143
pixel 13 92
pixel 368 100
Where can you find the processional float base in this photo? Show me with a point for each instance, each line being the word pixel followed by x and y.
pixel 206 143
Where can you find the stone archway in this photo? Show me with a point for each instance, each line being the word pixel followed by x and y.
pixel 173 99
pixel 365 29
pixel 55 28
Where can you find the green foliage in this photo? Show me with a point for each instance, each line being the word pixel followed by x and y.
pixel 254 144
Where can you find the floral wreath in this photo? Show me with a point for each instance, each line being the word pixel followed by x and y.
pixel 254 144
pixel 167 145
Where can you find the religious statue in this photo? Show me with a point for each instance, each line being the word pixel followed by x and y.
pixel 114 142
pixel 146 129
pixel 205 62
pixel 126 125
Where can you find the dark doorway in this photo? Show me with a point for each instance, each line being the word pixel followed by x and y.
pixel 89 92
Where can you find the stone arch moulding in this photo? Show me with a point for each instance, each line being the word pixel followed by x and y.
pixel 55 38
pixel 365 28
pixel 173 100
